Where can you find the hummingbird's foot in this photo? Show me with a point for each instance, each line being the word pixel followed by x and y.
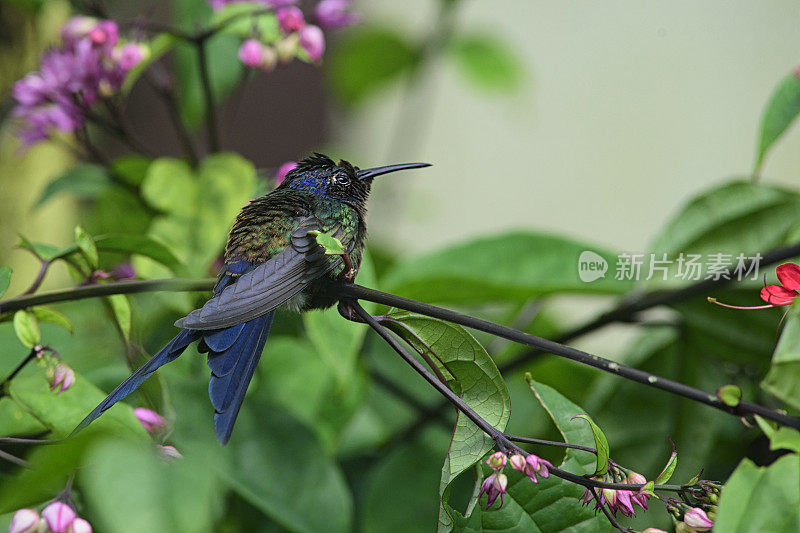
pixel 346 310
pixel 349 272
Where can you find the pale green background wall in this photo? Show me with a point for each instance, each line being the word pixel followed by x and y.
pixel 628 108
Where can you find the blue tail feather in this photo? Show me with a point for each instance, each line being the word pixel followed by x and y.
pixel 231 372
pixel 167 354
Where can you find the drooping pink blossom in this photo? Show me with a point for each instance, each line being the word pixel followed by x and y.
pixel 59 517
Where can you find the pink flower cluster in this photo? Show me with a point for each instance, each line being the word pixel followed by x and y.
pixel 58 517
pixel 90 65
pixel 495 484
pixel 619 500
pixel 296 32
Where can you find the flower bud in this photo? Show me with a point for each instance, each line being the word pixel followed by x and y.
pixel 653 530
pixel 131 54
pixel 59 516
pixel 635 478
pixel 538 466
pixel 497 461
pixel 251 53
pixel 61 378
pixel 270 59
pixel 290 19
pixel 283 170
pixel 80 526
pixel 152 421
pixel 313 41
pixel 24 521
pixel 286 48
pixel 334 14
pixel 697 519
pixel 123 271
pixel 104 33
pixel 517 462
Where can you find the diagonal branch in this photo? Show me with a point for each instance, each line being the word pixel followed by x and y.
pixel 548 346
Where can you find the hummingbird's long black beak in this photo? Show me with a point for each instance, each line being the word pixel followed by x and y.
pixel 369 173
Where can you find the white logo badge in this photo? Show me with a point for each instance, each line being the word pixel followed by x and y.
pixel 591 266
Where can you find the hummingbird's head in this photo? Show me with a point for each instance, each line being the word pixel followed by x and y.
pixel 318 174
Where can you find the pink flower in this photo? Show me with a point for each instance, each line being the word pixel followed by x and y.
pixel 313 41
pixel 653 530
pixel 61 378
pixel 152 421
pixel 131 54
pixel 494 486
pixel 531 466
pixel 283 170
pixel 624 502
pixel 334 14
pixel 785 293
pixel 24 521
pixel 497 461
pixel 290 19
pixel 59 516
pixel 80 526
pixel 639 498
pixel 251 53
pixel 697 519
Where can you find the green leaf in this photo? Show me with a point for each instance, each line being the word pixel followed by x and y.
pixel 86 246
pixel 122 478
pixel 730 395
pixel 480 385
pixel 85 181
pixel 170 186
pixel 156 47
pixel 600 444
pixel 5 279
pixel 61 412
pixel 552 504
pixel 119 210
pixel 27 328
pixel 762 499
pixel 367 60
pixel 781 110
pixel 782 438
pixel 45 252
pixel 736 217
pixel 121 307
pixel 487 63
pixel 332 245
pixel 139 245
pixel 669 469
pixel 45 314
pixel 261 462
pixel 513 266
pixel 783 378
pixel 131 169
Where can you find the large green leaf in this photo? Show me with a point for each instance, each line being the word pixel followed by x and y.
pixel 123 478
pixel 783 378
pixel 513 266
pixel 474 375
pixel 736 217
pixel 368 59
pixel 780 111
pixel 5 279
pixel 761 498
pixel 170 186
pixel 84 181
pixel 551 505
pixel 486 63
pixel 61 412
pixel 272 461
pixel 139 245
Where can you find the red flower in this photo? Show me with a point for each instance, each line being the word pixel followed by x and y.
pixel 786 292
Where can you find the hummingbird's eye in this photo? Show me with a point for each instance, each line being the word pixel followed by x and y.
pixel 341 179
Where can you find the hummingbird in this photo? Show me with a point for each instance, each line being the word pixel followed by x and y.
pixel 272 259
